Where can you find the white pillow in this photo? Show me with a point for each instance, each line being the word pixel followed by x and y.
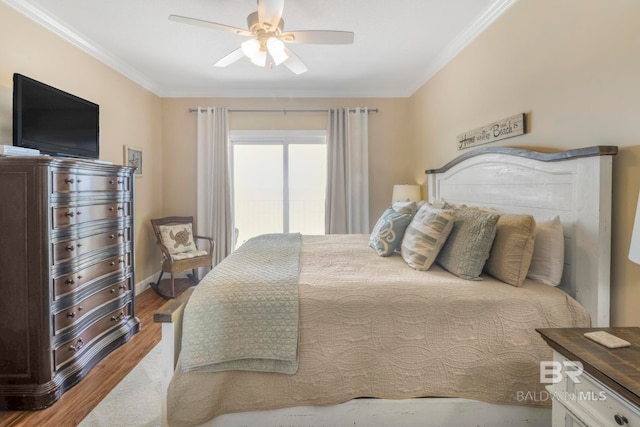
pixel 547 262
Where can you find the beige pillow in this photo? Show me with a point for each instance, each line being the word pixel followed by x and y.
pixel 469 244
pixel 547 261
pixel 512 248
pixel 177 238
pixel 425 236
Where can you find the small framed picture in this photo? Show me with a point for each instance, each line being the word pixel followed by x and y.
pixel 133 158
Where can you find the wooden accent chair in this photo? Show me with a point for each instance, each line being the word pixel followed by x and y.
pixel 176 236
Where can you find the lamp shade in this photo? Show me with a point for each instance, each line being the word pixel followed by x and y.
pixel 634 249
pixel 405 192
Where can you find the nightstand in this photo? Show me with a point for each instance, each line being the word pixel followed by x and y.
pixel 607 392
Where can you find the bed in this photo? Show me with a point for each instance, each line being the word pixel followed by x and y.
pixel 381 343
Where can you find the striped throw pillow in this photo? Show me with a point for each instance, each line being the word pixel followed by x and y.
pixel 425 236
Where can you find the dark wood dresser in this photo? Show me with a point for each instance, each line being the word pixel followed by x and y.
pixel 66 273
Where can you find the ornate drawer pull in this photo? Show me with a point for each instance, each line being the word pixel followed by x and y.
pixel 123 287
pixel 110 208
pixel 120 208
pixel 120 182
pixel 78 212
pixel 121 261
pixel 70 214
pixel 620 419
pixel 111 181
pixel 70 282
pixel 78 346
pixel 78 181
pixel 69 248
pixel 69 181
pixel 112 290
pixel 112 263
pixel 112 236
pixel 118 318
pixel 71 314
pixel 120 234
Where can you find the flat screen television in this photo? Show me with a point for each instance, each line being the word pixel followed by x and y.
pixel 53 121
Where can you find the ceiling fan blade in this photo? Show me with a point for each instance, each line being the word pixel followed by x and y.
pixel 208 24
pixel 230 58
pixel 318 37
pixel 270 12
pixel 294 63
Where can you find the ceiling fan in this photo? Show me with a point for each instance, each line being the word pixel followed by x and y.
pixel 268 38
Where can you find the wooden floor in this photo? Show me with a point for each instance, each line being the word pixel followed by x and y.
pixel 76 403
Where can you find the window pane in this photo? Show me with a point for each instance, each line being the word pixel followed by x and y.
pixel 307 187
pixel 258 184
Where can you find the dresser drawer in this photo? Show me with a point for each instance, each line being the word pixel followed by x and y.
pixel 63 251
pixel 601 402
pixel 75 347
pixel 66 182
pixel 72 215
pixel 590 401
pixel 75 313
pixel 70 282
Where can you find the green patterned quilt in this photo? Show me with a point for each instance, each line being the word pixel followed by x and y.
pixel 244 314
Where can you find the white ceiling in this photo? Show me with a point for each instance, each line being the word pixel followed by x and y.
pixel 399 44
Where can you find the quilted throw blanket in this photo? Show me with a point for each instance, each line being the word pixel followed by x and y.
pixel 244 314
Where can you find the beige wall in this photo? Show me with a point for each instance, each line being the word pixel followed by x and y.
pixel 129 114
pixel 573 67
pixel 388 136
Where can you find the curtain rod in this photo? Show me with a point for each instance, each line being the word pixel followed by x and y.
pixel 371 110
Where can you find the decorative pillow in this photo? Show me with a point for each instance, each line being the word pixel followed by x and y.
pixel 425 236
pixel 547 262
pixel 512 248
pixel 405 207
pixel 388 231
pixel 177 238
pixel 469 244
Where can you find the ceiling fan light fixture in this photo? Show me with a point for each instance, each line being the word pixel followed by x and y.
pixel 275 46
pixel 276 50
pixel 279 58
pixel 260 58
pixel 250 48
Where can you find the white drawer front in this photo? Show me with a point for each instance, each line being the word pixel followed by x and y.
pixel 589 399
pixel 603 403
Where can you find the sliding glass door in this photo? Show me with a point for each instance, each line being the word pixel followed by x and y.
pixel 279 182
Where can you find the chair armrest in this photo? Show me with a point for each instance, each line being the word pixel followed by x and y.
pixel 212 244
pixel 165 251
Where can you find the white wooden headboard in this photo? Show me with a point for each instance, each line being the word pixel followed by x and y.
pixel 575 184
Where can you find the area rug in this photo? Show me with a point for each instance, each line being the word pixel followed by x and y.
pixel 135 401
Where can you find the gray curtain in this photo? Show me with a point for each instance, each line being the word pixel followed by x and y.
pixel 347 202
pixel 213 187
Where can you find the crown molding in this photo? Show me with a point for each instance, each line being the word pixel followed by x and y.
pixel 74 37
pixel 462 40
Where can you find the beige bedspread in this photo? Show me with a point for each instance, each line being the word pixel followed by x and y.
pixel 373 327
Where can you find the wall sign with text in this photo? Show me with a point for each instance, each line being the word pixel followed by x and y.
pixel 502 129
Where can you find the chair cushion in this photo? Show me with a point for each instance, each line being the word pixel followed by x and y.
pixel 178 238
pixel 186 255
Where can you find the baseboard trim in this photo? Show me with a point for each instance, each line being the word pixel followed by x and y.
pixel 143 285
